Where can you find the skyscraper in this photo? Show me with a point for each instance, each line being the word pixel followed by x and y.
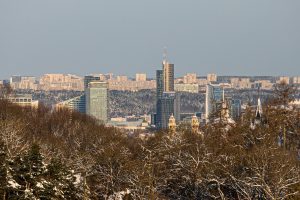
pixel 167 102
pixel 88 79
pixel 165 108
pixel 213 99
pixel 96 100
pixel 168 70
pixel 159 83
pixel 235 108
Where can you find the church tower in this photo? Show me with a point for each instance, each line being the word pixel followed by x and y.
pixel 195 124
pixel 172 124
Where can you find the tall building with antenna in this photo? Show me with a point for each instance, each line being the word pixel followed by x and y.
pixel 167 101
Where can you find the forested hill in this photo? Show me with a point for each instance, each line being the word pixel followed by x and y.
pixel 63 155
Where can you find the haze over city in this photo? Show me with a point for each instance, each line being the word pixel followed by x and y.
pixel 126 37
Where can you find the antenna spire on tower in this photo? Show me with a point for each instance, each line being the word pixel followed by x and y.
pixel 165 55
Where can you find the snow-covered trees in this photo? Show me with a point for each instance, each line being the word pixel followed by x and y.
pixel 48 154
pixel 26 176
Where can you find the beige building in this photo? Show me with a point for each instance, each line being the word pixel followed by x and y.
pixel 61 82
pixel 24 82
pixel 211 77
pixel 202 82
pixel 178 80
pixel 296 80
pixel 240 83
pixel 264 84
pixel 190 78
pixel 140 77
pixel 24 100
pixel 285 79
pixel 130 85
pixel 168 76
pixel 185 87
pixel 122 78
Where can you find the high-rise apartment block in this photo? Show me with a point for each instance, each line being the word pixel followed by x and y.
pixel 190 78
pixel 131 85
pixel 241 83
pixel 140 77
pixel 284 79
pixel 97 100
pixel 24 82
pixel 296 80
pixel 122 78
pixel 211 78
pixel 61 82
pixel 263 84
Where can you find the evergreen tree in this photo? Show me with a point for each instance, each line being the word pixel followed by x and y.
pixel 3 171
pixel 25 172
pixel 61 181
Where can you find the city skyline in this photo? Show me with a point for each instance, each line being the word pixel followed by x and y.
pixel 225 37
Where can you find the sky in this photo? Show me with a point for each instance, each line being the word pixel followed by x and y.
pixel 227 37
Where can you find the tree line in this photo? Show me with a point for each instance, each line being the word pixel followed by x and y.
pixel 46 154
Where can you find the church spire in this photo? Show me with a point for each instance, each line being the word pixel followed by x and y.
pixel 172 124
pixel 259 112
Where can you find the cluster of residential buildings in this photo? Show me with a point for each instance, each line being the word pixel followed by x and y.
pixel 188 83
pixel 52 82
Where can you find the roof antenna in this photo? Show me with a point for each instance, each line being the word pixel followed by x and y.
pixel 165 54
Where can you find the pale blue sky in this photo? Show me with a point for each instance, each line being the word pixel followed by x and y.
pixel 228 37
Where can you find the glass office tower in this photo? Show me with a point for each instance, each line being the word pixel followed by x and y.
pixel 165 108
pixel 213 99
pixel 97 100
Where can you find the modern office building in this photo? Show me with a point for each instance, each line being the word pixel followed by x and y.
pixel 168 76
pixel 167 102
pixel 159 83
pixel 97 100
pixel 165 108
pixel 235 108
pixel 213 99
pixel 74 104
pixel 90 78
